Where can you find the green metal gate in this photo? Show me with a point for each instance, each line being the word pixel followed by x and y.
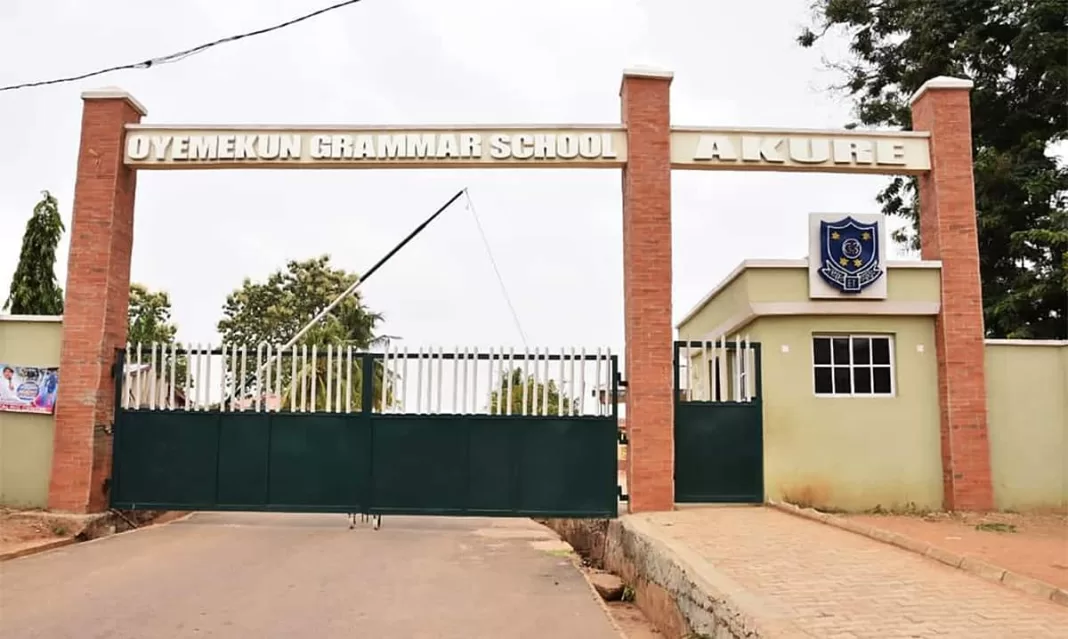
pixel 719 443
pixel 295 433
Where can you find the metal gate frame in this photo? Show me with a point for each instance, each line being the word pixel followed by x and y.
pixel 367 462
pixel 719 440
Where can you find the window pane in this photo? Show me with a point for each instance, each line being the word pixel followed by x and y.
pixel 882 380
pixel 880 350
pixel 821 350
pixel 861 350
pixel 841 380
pixel 823 380
pixel 840 348
pixel 862 380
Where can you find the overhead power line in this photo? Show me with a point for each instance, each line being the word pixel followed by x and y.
pixel 180 55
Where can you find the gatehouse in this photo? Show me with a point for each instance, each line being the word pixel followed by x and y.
pixel 686 442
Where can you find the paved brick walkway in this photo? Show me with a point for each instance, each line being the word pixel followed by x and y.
pixel 834 584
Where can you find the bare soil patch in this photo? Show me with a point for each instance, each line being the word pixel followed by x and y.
pixel 20 529
pixel 1034 544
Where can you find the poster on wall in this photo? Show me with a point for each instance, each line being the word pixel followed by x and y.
pixel 28 389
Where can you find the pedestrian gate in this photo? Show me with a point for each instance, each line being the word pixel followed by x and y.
pixel 719 443
pixel 298 430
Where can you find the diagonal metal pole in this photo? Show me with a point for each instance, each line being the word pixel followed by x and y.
pixel 355 285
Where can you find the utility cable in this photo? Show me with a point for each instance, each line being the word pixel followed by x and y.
pixel 497 271
pixel 180 55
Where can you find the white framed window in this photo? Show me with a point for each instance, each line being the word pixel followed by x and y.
pixel 853 365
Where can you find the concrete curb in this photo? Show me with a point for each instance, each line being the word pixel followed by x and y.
pixel 38 548
pixel 70 541
pixel 977 567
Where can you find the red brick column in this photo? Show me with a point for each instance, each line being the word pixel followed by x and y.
pixel 647 290
pixel 97 294
pixel 948 233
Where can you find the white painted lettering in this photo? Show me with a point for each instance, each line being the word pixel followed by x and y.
pixel 544 145
pixel 365 147
pixel 890 152
pixel 180 148
pixel 420 146
pixel 500 146
pixel 341 147
pixel 447 146
pixel 320 147
pixel 809 150
pixel 138 147
pixel 203 147
pixel 523 146
pixel 227 147
pixel 267 146
pixel 608 146
pixel 715 147
pixel 290 147
pixel 246 148
pixel 760 148
pixel 567 146
pixel 590 145
pixel 848 151
pixel 470 145
pixel 391 146
pixel 160 144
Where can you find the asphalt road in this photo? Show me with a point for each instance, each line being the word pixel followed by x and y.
pixel 272 575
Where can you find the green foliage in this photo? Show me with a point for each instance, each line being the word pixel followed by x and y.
pixel 34 290
pixel 1016 53
pixel 148 321
pixel 535 396
pixel 274 311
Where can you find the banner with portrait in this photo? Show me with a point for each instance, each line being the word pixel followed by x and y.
pixel 28 389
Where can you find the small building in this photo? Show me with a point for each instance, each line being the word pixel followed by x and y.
pixel 849 384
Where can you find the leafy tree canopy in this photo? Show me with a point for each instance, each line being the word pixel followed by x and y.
pixel 34 290
pixel 1016 53
pixel 149 316
pixel 274 311
pixel 535 398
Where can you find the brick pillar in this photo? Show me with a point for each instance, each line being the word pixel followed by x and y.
pixel 647 290
pixel 948 233
pixel 97 294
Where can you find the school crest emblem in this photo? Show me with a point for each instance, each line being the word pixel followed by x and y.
pixel 849 254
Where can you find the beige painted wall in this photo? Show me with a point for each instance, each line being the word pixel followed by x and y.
pixel 1027 403
pixel 850 453
pixel 26 440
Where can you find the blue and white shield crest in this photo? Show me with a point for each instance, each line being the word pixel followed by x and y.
pixel 849 254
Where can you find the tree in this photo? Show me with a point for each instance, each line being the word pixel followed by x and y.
pixel 274 311
pixel 149 316
pixel 1016 52
pixel 34 290
pixel 148 322
pixel 536 402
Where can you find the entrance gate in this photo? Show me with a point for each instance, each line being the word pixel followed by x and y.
pixel 719 424
pixel 435 433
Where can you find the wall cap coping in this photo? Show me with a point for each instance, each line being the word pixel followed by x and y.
pixel 114 93
pixel 31 318
pixel 1026 342
pixel 642 71
pixel 941 82
pixel 785 263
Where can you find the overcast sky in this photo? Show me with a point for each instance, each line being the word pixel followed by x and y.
pixel 556 235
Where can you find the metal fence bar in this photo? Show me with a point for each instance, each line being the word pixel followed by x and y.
pixel 526 380
pixel 508 379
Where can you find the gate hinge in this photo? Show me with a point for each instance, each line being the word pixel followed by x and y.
pixel 107 429
pixel 621 495
pixel 623 437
